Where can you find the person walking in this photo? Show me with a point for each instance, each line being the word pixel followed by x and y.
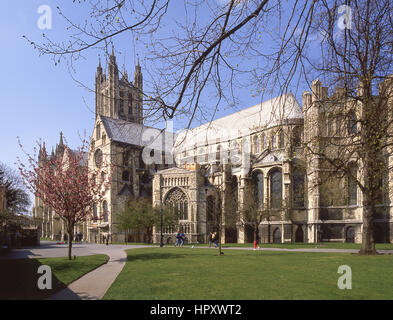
pixel 182 236
pixel 215 239
pixel 210 239
pixel 177 243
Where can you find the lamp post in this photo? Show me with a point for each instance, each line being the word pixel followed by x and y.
pixel 161 242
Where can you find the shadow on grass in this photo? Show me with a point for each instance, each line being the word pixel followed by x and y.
pixel 19 281
pixel 154 256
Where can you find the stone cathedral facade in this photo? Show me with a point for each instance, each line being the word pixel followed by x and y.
pixel 302 198
pixel 254 157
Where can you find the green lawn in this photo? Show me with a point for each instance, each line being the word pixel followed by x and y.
pixel 294 245
pixel 325 245
pixel 18 277
pixel 185 273
pixel 297 245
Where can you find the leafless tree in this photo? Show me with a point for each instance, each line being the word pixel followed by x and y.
pixel 208 54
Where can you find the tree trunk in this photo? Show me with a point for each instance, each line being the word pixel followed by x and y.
pixel 255 232
pixel 368 244
pixel 70 236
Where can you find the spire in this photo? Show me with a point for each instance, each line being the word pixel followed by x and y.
pixel 113 70
pixel 40 154
pixel 61 139
pixel 138 79
pixel 99 68
pixel 43 153
pixel 60 147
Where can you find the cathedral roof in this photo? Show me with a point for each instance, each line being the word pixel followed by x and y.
pixel 261 116
pixel 137 134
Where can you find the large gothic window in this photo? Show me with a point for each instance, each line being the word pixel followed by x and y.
pixel 274 141
pixel 352 187
pixel 98 132
pixel 256 144
pixel 177 200
pixel 298 187
pixel 352 123
pixel 235 193
pixel 276 189
pixel 296 137
pixel 126 158
pixel 281 140
pixel 98 157
pixel 257 179
pixel 218 153
pixel 264 141
pixel 125 176
pixel 94 211
pixel 105 210
pixel 329 125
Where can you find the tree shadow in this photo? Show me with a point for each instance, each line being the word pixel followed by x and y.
pixel 154 256
pixel 19 280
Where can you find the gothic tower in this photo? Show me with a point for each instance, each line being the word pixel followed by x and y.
pixel 117 97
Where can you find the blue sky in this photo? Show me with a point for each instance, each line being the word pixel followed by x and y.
pixel 40 99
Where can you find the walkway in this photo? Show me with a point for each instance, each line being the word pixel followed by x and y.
pixel 94 284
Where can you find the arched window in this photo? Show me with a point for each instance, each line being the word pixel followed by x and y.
pixel 298 187
pixel 94 211
pixel 281 140
pixel 126 157
pixel 338 126
pixel 105 210
pixel 352 186
pixel 299 234
pixel 177 200
pixel 218 153
pixel 329 125
pixel 274 141
pixel 235 193
pixel 98 132
pixel 296 137
pixel 256 144
pixel 276 189
pixel 125 176
pixel 98 157
pixel 277 235
pixel 352 123
pixel 264 142
pixel 130 104
pixel 234 152
pixel 350 235
pixel 257 179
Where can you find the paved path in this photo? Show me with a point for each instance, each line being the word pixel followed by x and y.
pixel 94 284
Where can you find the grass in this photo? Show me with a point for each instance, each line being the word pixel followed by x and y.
pixel 294 245
pixel 185 273
pixel 299 245
pixel 18 277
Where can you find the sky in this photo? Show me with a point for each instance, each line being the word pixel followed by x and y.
pixel 38 98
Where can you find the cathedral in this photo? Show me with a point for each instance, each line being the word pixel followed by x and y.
pixel 252 158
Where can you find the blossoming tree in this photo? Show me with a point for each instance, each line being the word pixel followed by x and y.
pixel 66 184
